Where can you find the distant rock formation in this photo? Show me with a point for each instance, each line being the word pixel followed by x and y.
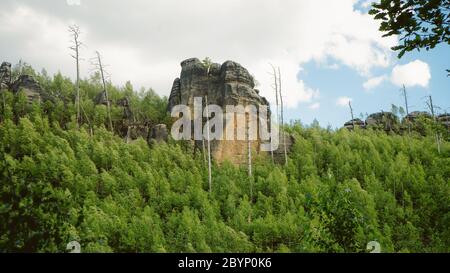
pixel 414 121
pixel 24 83
pixel 382 120
pixel 413 116
pixel 358 123
pixel 30 87
pixel 444 119
pixel 226 84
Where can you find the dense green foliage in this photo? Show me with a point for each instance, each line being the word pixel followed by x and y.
pixel 339 191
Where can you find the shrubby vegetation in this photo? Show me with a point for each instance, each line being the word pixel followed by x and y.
pixel 339 191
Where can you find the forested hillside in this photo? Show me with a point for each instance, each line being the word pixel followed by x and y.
pixel 340 190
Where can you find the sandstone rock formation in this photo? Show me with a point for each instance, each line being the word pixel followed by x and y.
pixel 444 119
pixel 383 120
pixel 5 75
pixel 158 133
pixel 30 87
pixel 413 116
pixel 226 84
pixel 355 123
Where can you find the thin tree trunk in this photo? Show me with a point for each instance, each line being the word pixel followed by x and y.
pixel 203 150
pixel 127 139
pixel 276 92
pixel 407 109
pixel 91 132
pixel 277 118
pixel 249 147
pixel 209 146
pixel 351 113
pixel 108 106
pixel 282 118
pixel 75 32
pixel 78 88
pixel 438 141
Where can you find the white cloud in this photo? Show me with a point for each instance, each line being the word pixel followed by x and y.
pixel 416 73
pixel 343 101
pixel 374 82
pixel 314 106
pixel 148 42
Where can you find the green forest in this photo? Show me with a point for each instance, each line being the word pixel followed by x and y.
pixel 340 189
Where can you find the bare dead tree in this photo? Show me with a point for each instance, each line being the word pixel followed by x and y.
pixel 75 32
pixel 405 95
pixel 249 156
pixel 99 65
pixel 209 145
pixel 431 107
pixel 282 117
pixel 275 88
pixel 203 149
pixel 249 146
pixel 207 63
pixel 351 113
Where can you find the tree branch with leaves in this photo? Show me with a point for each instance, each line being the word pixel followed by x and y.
pixel 421 24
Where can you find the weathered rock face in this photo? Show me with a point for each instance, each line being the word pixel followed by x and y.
pixel 101 98
pixel 444 119
pixel 355 123
pixel 413 116
pixel 226 84
pixel 5 75
pixel 127 113
pixel 158 133
pixel 385 120
pixel 30 87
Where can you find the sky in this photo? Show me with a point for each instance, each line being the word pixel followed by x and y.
pixel 329 52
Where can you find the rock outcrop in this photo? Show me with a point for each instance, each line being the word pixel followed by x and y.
pixel 358 123
pixel 444 119
pixel 413 116
pixel 25 83
pixel 101 99
pixel 383 120
pixel 5 75
pixel 158 134
pixel 30 87
pixel 226 84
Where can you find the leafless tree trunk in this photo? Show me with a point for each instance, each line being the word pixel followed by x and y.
pixel 204 150
pixel 209 145
pixel 249 146
pixel 275 87
pixel 75 32
pixel 405 95
pixel 282 118
pixel 108 104
pixel 91 131
pixel 127 138
pixel 431 106
pixel 351 113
